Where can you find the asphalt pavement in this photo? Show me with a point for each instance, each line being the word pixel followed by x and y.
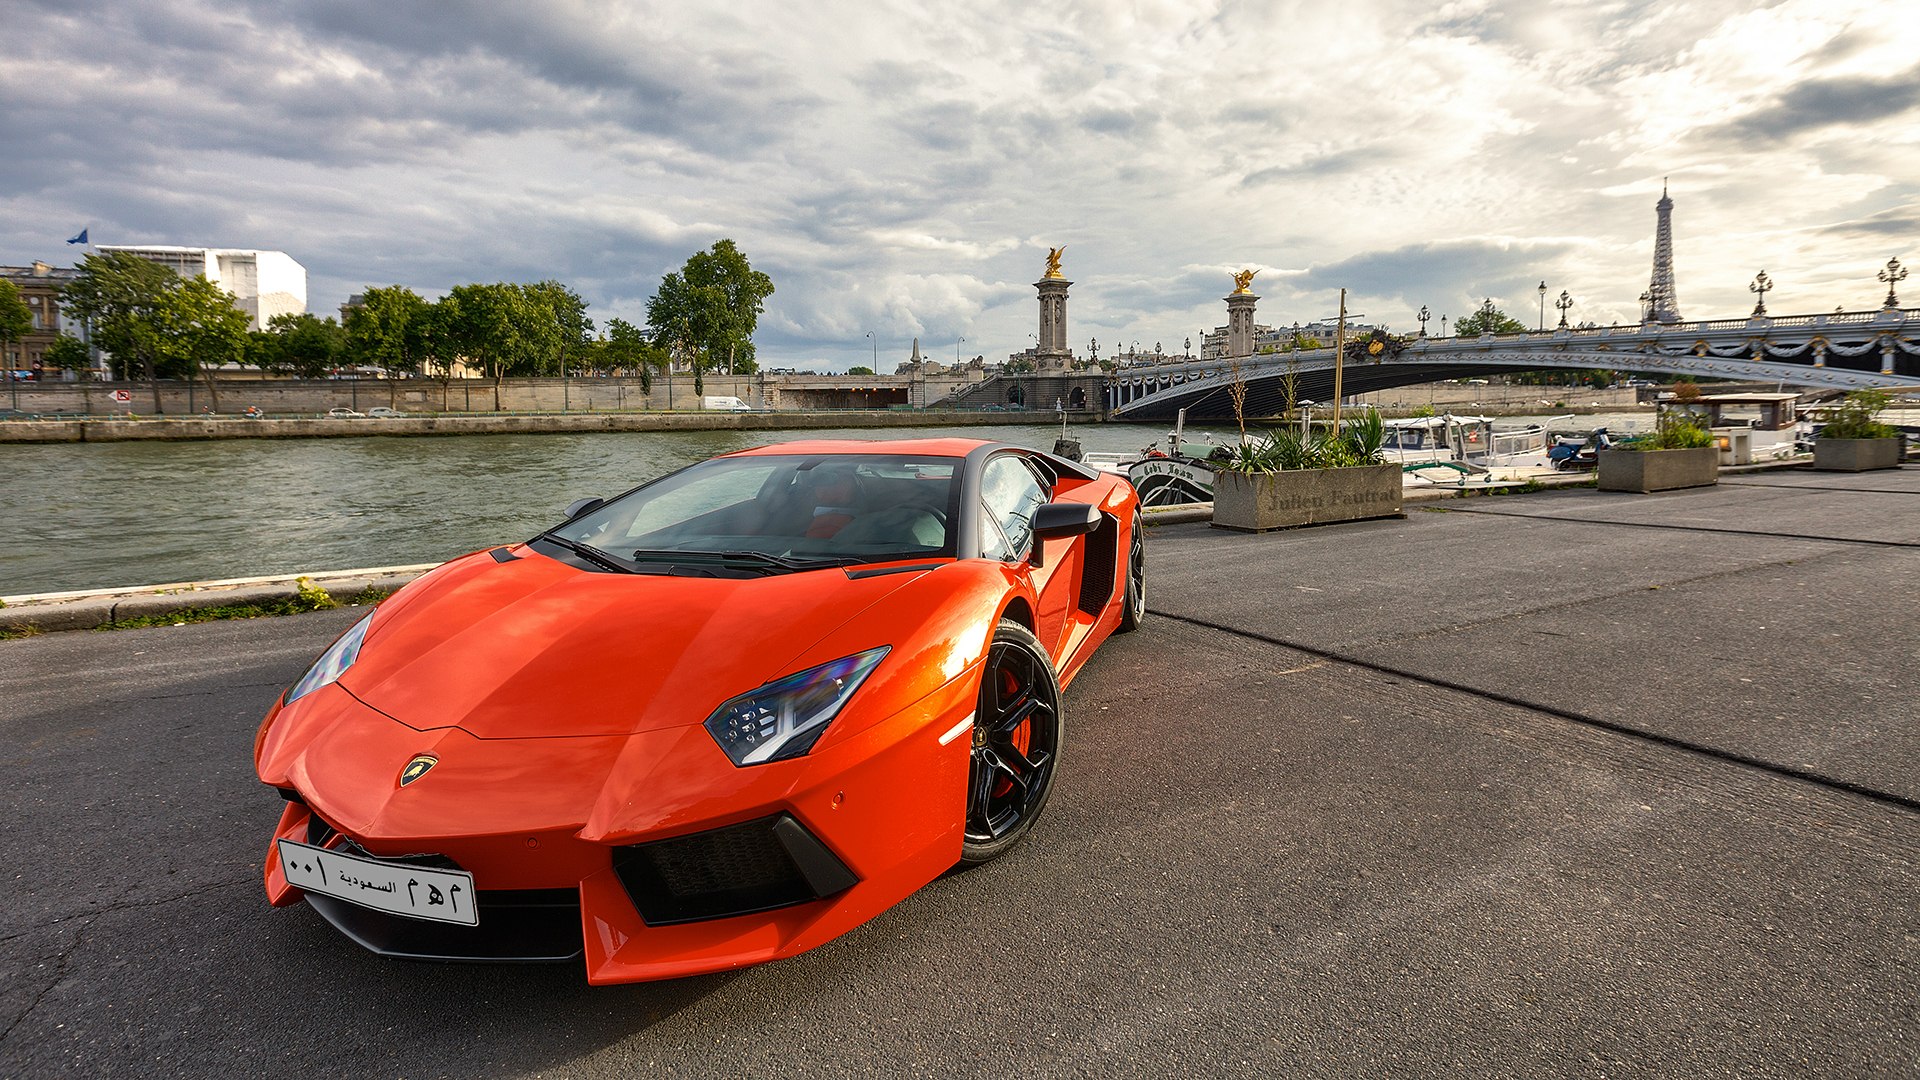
pixel 1569 784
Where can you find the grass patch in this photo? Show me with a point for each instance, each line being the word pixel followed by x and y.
pixel 310 597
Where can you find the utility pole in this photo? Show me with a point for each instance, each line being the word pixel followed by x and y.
pixel 1339 356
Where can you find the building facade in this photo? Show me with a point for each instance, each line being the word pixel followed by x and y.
pixel 40 286
pixel 263 283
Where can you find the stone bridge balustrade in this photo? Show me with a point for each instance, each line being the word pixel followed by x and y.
pixel 1838 351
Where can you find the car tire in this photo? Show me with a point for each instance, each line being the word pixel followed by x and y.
pixel 1135 608
pixel 1016 739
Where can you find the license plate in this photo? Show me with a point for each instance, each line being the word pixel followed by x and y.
pixel 415 892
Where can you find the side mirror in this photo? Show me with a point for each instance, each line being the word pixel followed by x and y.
pixel 583 506
pixel 1058 519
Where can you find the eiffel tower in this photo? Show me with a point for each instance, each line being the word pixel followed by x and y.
pixel 1662 305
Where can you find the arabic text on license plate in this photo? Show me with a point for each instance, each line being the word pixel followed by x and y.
pixel 417 892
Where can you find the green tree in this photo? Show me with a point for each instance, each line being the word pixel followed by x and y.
pixel 708 310
pixel 202 331
pixel 16 319
pixel 391 328
pixel 1488 319
pixel 305 345
pixel 482 324
pixel 557 323
pixel 68 353
pixel 860 369
pixel 120 296
pixel 628 351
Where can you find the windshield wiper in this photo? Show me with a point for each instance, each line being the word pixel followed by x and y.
pixel 590 553
pixel 762 558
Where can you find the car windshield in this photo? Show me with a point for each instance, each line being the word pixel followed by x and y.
pixel 775 513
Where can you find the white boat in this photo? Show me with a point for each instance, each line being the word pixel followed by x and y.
pixel 1176 476
pixel 1769 425
pixel 1449 450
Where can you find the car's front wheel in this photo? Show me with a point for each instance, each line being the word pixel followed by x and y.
pixel 1016 744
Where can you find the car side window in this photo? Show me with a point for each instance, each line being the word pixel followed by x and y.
pixel 1009 495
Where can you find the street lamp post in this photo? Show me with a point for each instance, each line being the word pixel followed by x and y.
pixel 1443 326
pixel 956 350
pixel 1543 305
pixel 1761 283
pixel 1423 317
pixel 876 352
pixel 1893 275
pixel 1189 349
pixel 1565 304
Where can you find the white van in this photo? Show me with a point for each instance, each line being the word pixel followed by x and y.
pixel 720 403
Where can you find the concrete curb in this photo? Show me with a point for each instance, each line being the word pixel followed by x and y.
pixel 90 609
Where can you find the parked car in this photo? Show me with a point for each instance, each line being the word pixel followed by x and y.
pixel 381 412
pixel 344 414
pixel 854 660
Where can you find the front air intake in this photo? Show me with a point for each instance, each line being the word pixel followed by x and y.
pixel 771 862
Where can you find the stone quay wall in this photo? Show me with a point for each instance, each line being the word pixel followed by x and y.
pixel 317 396
pixel 109 429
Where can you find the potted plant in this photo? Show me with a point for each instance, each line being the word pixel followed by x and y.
pixel 1288 478
pixel 1854 439
pixel 1679 454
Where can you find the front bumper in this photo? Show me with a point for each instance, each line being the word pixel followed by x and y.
pixel 803 852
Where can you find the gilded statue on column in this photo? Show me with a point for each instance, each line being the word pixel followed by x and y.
pixel 1243 282
pixel 1053 261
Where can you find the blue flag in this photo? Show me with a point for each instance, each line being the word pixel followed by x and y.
pixel 81 239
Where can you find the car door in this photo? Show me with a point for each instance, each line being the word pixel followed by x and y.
pixel 1011 491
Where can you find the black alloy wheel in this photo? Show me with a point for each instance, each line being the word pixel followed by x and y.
pixel 1136 605
pixel 1016 744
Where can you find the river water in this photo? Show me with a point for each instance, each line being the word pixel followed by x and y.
pixel 104 515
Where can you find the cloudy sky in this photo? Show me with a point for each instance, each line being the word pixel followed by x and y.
pixel 901 168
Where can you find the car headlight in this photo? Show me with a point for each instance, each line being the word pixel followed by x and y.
pixel 333 663
pixel 784 718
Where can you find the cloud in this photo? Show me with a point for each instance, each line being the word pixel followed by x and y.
pixel 1824 103
pixel 900 169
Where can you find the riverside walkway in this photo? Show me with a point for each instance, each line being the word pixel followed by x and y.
pixel 1568 784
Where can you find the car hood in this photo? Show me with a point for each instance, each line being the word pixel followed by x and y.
pixel 534 648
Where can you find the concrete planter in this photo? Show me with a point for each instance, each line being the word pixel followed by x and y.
pixel 1658 470
pixel 1857 455
pixel 1257 502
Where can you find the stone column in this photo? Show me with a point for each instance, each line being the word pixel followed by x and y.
pixel 1053 351
pixel 1240 324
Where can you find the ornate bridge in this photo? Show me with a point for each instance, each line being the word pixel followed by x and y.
pixel 1839 351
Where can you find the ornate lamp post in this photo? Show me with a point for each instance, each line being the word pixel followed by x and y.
pixel 1443 326
pixel 1565 304
pixel 1093 349
pixel 1761 283
pixel 1423 317
pixel 1543 305
pixel 1893 275
pixel 1189 347
pixel 1486 316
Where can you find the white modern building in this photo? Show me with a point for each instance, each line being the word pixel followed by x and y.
pixel 263 283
